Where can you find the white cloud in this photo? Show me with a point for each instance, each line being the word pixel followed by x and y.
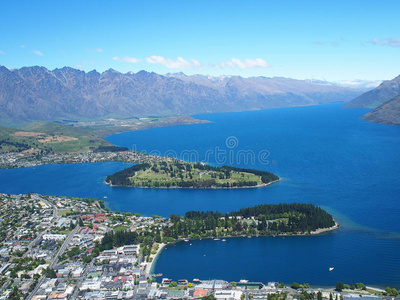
pixel 37 52
pixel 179 63
pixel 126 59
pixel 22 46
pixel 247 63
pixel 1 52
pixel 391 42
pixel 98 50
pixel 359 83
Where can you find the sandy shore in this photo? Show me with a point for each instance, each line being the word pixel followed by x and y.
pixel 149 265
pixel 318 231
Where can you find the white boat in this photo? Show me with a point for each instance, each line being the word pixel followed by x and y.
pixel 331 269
pixel 186 240
pixel 224 240
pixel 216 239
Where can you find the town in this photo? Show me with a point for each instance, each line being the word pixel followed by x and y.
pixel 27 159
pixel 74 248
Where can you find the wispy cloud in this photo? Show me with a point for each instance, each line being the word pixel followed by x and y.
pixel 391 42
pixel 359 83
pixel 37 52
pixel 179 63
pixel 22 46
pixel 247 63
pixel 127 59
pixel 98 50
pixel 1 52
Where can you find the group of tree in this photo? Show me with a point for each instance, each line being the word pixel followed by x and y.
pixel 121 178
pixel 260 219
pixel 343 286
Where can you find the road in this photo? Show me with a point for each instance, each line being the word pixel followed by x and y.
pixel 82 278
pixel 54 261
pixel 37 239
pixel 64 245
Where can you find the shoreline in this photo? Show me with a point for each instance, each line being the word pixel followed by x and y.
pixel 151 265
pixel 322 230
pixel 162 245
pixel 201 188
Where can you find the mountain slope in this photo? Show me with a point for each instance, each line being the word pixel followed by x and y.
pixel 372 99
pixel 36 93
pixel 386 113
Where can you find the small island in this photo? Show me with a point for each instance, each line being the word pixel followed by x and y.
pixel 178 174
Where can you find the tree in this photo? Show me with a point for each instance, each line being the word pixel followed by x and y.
pixel 319 295
pixel 295 285
pixel 360 286
pixel 233 283
pixel 50 273
pixel 339 286
pixel 80 222
pixel 173 284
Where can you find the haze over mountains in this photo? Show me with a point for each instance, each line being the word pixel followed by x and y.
pixel 36 93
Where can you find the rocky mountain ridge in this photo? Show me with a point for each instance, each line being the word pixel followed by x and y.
pixel 36 93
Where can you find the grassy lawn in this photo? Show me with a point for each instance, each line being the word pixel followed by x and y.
pixel 170 172
pixel 63 212
pixel 66 231
pixel 120 228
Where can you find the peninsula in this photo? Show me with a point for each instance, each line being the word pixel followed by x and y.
pixel 178 174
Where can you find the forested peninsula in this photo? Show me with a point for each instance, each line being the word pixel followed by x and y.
pixel 260 220
pixel 178 174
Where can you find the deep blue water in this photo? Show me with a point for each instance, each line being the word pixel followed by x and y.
pixel 325 155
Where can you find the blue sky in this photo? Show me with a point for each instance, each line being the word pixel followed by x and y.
pixel 326 40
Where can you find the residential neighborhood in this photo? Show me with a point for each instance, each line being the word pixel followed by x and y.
pixel 22 159
pixel 58 248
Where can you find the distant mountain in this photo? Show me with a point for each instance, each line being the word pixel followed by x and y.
pixel 36 93
pixel 386 113
pixel 372 99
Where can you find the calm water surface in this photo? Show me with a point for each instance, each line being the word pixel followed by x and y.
pixel 325 155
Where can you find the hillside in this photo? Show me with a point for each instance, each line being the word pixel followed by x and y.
pixel 36 93
pixel 386 113
pixel 372 99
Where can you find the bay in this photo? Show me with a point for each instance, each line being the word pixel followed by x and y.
pixel 325 156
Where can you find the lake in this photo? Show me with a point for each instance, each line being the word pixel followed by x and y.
pixel 325 156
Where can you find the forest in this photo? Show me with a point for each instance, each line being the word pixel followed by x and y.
pixel 268 219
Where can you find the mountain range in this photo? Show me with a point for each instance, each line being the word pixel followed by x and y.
pixel 384 100
pixel 386 91
pixel 386 113
pixel 36 93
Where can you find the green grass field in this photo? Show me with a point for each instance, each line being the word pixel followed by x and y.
pixel 160 174
pixel 63 212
